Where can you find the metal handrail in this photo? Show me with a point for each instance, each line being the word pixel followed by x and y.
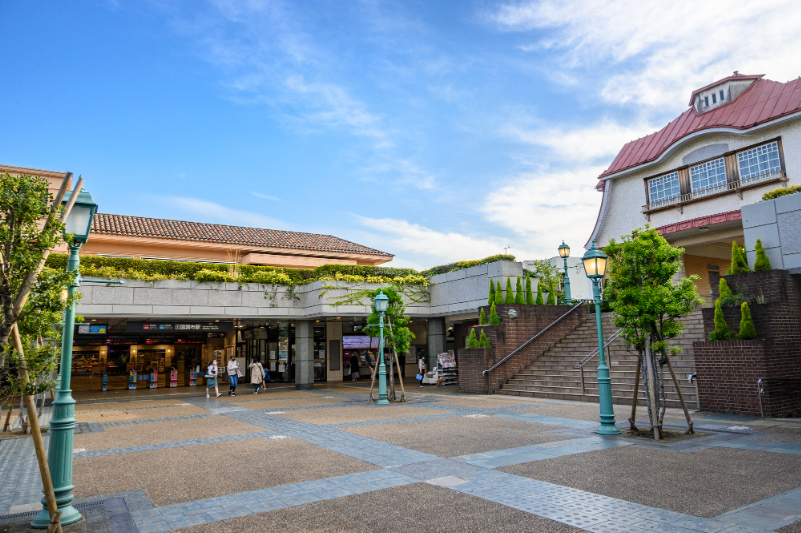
pixel 532 339
pixel 590 357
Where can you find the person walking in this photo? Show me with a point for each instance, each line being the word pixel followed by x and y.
pixel 354 367
pixel 233 376
pixel 256 375
pixel 421 365
pixel 211 378
pixel 266 379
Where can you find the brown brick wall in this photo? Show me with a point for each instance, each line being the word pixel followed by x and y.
pixel 698 265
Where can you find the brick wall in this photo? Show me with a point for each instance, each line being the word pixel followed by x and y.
pixel 728 371
pixel 531 319
pixel 694 264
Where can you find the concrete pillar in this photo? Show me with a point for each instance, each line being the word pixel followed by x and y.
pixel 436 340
pixel 304 354
pixel 334 350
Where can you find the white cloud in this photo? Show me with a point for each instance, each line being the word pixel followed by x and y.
pixel 402 171
pixel 543 208
pixel 265 196
pixel 205 211
pixel 655 52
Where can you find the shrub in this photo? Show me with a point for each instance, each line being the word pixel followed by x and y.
pixel 747 329
pixel 498 293
pixel 551 294
pixel 727 298
pixel 483 341
pixel 783 191
pixel 529 295
pixel 510 296
pixel 212 275
pixel 539 300
pixel 762 262
pixel 723 288
pixel 739 265
pixel 482 318
pixel 461 265
pixel 722 331
pixel 494 319
pixel 472 340
pixel 491 299
pixel 520 298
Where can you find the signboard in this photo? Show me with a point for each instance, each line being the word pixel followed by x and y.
pixel 260 333
pixel 211 335
pixel 178 327
pixel 248 334
pixel 355 342
pixel 447 360
pixel 93 329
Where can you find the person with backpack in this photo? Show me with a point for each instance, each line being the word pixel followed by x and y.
pixel 211 378
pixel 233 376
pixel 256 375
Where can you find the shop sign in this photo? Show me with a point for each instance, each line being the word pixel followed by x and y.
pixel 211 335
pixel 260 333
pixel 92 329
pixel 178 327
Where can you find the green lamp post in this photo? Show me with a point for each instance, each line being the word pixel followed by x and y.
pixel 595 267
pixel 381 304
pixel 564 253
pixel 62 425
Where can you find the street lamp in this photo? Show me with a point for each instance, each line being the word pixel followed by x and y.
pixel 595 267
pixel 564 253
pixel 62 425
pixel 381 304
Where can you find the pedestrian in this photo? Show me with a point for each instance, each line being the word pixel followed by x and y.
pixel 354 367
pixel 266 379
pixel 233 376
pixel 421 365
pixel 211 378
pixel 256 375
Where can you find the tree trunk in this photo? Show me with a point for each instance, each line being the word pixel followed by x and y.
pixel 653 407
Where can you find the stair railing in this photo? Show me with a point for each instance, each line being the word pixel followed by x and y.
pixel 591 356
pixel 488 372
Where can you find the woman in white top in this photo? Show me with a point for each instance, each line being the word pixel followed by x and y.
pixel 211 378
pixel 256 375
pixel 421 365
pixel 233 376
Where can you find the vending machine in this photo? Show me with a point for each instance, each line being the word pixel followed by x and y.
pixel 132 380
pixel 154 379
pixel 173 377
pixel 192 378
pixel 105 380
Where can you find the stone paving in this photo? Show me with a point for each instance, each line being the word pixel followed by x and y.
pixel 327 460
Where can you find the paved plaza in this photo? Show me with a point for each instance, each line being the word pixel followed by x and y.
pixel 326 460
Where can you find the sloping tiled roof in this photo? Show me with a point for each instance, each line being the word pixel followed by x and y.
pixel 159 228
pixel 763 101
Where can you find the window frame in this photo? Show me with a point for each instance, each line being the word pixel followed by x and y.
pixel 707 164
pixel 659 177
pixel 779 159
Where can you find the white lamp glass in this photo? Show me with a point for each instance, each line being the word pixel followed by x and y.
pixel 78 221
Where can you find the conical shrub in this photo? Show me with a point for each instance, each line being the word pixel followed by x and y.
pixel 761 262
pixel 482 318
pixel 520 298
pixel 529 295
pixel 747 329
pixel 472 340
pixel 722 331
pixel 510 295
pixel 739 265
pixel 491 299
pixel 483 340
pixel 723 288
pixel 551 294
pixel 494 319
pixel 498 294
pixel 539 300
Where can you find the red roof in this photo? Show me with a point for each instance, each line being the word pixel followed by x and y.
pixel 763 101
pixel 735 77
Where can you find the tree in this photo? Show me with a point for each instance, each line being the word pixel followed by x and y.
pixel 510 295
pixel 520 298
pixel 721 331
pixel 491 298
pixel 739 265
pixel 482 318
pixel 539 300
pixel 399 337
pixel 762 262
pixel 472 340
pixel 647 305
pixel 499 294
pixel 551 294
pixel 483 341
pixel 529 296
pixel 494 319
pixel 747 328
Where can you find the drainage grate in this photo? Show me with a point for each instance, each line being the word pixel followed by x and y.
pixel 19 517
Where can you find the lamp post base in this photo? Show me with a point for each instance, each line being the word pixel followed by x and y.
pixel 69 515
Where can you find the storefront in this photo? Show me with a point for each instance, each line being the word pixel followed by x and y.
pixel 273 345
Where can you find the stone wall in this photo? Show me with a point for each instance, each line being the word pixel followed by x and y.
pixel 776 223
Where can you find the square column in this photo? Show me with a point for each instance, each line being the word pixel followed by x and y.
pixel 436 340
pixel 304 354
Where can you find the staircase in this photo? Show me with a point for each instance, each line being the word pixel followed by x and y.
pixel 552 374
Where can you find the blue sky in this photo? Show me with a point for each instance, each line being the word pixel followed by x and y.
pixel 437 131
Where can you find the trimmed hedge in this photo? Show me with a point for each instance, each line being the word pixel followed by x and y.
pixel 784 191
pixel 461 265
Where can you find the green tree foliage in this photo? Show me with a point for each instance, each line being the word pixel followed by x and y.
pixel 739 265
pixel 551 294
pixel 529 295
pixel 400 337
pixel 472 340
pixel 482 318
pixel 510 295
pixel 721 331
pixel 762 262
pixel 494 319
pixel 25 203
pixel 483 340
pixel 520 298
pixel 544 271
pixel 498 293
pixel 491 299
pixel 747 328
pixel 540 300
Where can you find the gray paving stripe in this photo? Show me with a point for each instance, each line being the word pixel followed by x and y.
pixel 550 420
pixel 154 420
pixel 394 421
pixel 537 452
pixel 167 445
pixel 134 408
pixel 770 513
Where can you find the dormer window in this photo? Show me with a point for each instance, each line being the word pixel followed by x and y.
pixel 714 98
pixel 706 101
pixel 721 96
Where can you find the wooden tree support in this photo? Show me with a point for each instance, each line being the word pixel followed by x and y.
pixel 633 418
pixel 400 376
pixel 681 398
